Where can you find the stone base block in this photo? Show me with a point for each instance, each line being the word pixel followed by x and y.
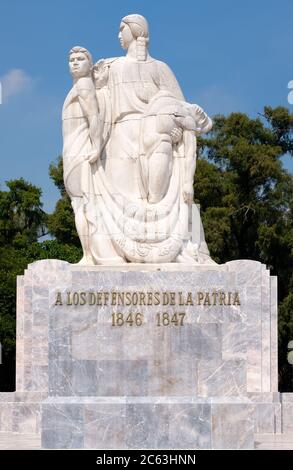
pixel 147 424
pixel 20 420
pixel 20 441
pixel 206 331
pixel 282 441
pixel 34 421
pixel 162 357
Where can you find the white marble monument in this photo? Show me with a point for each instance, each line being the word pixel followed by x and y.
pixel 129 155
pixel 146 343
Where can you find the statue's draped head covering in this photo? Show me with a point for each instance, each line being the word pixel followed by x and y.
pixel 84 51
pixel 140 30
pixel 138 25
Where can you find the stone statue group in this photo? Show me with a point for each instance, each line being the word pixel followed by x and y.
pixel 129 156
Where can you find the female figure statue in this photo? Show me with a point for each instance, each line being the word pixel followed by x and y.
pixel 133 81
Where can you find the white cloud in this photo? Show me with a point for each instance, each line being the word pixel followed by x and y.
pixel 15 81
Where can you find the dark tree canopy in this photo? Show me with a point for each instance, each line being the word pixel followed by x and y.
pixel 246 196
pixel 22 219
pixel 61 223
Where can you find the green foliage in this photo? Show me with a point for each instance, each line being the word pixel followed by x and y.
pixel 251 187
pixel 22 219
pixel 61 223
pixel 219 234
pixel 13 263
pixel 56 174
pixel 52 249
pixel 281 122
pixel 22 222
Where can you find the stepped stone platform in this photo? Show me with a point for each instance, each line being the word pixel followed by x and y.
pixel 146 356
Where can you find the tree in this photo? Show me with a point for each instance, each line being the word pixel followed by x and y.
pixel 61 223
pixel 13 263
pixel 22 222
pixel 246 198
pixel 22 219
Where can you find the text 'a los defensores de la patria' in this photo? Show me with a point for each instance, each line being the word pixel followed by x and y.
pixel 139 298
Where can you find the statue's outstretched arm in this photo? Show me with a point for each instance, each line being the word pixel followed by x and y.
pixel 202 121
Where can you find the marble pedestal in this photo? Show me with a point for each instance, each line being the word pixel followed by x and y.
pixel 188 361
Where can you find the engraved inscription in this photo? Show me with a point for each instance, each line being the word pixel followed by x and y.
pixel 140 298
pixel 130 319
pixel 166 319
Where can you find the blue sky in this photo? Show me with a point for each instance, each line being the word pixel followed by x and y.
pixel 227 56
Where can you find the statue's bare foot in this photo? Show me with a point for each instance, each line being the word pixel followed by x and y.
pixel 86 261
pixel 205 259
pixel 185 259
